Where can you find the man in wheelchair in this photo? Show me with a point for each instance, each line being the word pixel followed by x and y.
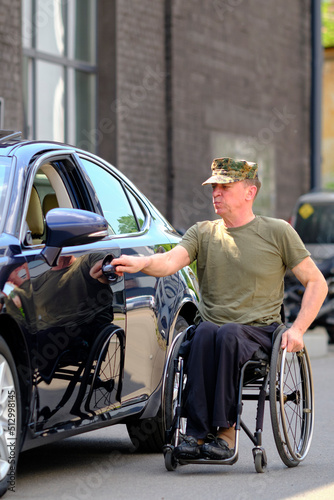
pixel 241 262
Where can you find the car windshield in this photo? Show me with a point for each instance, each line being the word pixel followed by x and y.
pixel 4 183
pixel 315 223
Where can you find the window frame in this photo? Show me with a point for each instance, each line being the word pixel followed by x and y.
pixel 72 189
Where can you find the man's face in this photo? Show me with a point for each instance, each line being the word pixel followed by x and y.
pixel 228 199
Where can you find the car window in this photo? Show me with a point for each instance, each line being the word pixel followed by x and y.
pixel 113 200
pixel 315 223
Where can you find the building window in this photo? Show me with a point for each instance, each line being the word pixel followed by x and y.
pixel 59 69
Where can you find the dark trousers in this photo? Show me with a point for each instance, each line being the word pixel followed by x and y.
pixel 213 366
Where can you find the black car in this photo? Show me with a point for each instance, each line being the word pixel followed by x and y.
pixel 313 219
pixel 80 348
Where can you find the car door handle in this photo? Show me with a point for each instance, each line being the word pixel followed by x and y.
pixel 109 270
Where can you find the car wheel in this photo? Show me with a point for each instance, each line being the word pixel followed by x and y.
pixel 148 434
pixel 10 418
pixel 180 325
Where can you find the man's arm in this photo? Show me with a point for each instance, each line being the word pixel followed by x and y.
pixel 315 293
pixel 160 264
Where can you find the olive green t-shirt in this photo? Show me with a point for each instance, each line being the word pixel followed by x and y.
pixel 241 269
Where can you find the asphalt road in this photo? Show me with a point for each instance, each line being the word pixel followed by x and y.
pixel 101 465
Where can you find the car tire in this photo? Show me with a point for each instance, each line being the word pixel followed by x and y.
pixel 10 418
pixel 148 434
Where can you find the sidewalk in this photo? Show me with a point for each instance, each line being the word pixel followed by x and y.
pixel 316 342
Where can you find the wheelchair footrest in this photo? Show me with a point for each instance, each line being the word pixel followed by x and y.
pixel 168 449
pixel 203 461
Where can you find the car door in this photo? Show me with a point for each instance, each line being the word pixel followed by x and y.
pixel 73 306
pixel 150 301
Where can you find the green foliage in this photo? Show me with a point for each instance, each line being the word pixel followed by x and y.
pixel 127 224
pixel 327 13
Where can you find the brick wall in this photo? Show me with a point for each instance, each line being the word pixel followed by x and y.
pixel 241 84
pixel 141 129
pixel 10 63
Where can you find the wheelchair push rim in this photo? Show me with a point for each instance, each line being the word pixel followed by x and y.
pixel 291 403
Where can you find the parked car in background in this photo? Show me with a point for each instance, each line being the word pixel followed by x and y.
pixel 80 348
pixel 313 219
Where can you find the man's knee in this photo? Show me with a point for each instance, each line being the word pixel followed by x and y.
pixel 205 334
pixel 229 334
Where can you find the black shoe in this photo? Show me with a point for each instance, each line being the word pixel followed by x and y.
pixel 188 449
pixel 217 450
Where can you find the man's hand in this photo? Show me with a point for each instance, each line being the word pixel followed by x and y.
pixel 292 339
pixel 129 264
pixel 315 293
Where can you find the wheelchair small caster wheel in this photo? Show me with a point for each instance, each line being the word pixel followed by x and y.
pixel 260 459
pixel 170 461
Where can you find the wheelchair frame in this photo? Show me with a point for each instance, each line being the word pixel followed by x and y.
pixel 285 380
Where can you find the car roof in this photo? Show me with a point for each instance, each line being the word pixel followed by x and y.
pixel 8 139
pixel 11 141
pixel 8 135
pixel 319 196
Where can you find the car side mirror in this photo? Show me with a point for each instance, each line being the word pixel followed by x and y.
pixel 67 227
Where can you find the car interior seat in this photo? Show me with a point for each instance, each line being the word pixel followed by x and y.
pixel 35 218
pixel 49 202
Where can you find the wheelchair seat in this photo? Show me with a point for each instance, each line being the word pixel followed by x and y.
pixel 284 379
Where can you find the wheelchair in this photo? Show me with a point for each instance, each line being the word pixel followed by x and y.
pixel 284 379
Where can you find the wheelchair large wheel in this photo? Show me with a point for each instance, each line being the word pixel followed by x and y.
pixel 101 382
pixel 171 386
pixel 291 403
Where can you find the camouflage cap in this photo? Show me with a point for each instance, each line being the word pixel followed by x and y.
pixel 227 170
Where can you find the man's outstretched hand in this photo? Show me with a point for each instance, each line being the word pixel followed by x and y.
pixel 128 264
